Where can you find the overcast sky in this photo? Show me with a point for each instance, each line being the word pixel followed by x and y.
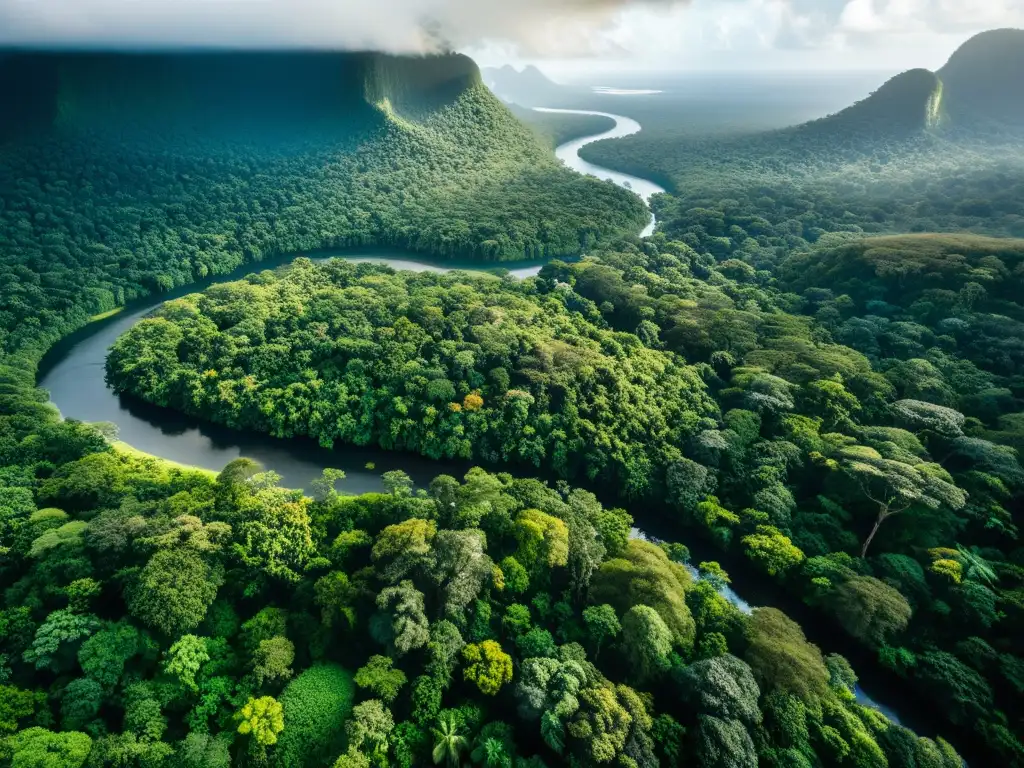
pixel 891 35
pixel 564 36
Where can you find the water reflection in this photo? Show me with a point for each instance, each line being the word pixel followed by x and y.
pixel 78 389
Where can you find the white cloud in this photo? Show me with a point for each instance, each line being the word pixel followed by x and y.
pixel 875 34
pixel 881 18
pixel 390 25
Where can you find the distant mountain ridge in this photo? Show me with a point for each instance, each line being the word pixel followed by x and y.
pixel 907 103
pixel 982 83
pixel 984 78
pixel 528 87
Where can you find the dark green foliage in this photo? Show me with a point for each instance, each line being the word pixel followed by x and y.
pixel 960 689
pixel 206 687
pixel 429 391
pixel 782 659
pixel 978 77
pixel 80 703
pixel 645 576
pixel 723 687
pixel 294 183
pixel 173 591
pixel 315 705
pixel 815 452
pixel 556 129
pixel 723 744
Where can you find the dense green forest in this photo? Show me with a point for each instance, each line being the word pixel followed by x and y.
pixel 877 484
pixel 760 197
pixel 164 617
pixel 102 207
pixel 903 500
pixel 836 413
pixel 452 366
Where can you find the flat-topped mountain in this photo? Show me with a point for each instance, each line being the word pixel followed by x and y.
pixel 203 90
pixel 203 160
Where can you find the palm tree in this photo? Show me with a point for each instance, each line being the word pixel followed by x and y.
pixel 448 741
pixel 976 567
pixel 495 755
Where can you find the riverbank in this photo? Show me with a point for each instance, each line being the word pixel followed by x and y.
pixel 72 372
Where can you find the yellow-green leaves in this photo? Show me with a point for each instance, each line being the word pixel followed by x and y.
pixel 487 665
pixel 262 718
pixel 543 539
pixel 772 550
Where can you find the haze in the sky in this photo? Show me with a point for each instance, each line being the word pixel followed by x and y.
pixel 809 35
pixel 568 35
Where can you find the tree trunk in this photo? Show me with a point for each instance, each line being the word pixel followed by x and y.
pixel 883 514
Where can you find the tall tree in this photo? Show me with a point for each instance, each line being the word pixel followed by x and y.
pixel 893 485
pixel 449 741
pixel 408 619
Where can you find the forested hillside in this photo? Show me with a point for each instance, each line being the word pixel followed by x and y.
pixel 878 483
pixel 116 198
pixel 162 617
pixel 157 616
pixel 983 78
pixel 923 496
pixel 556 128
pixel 927 152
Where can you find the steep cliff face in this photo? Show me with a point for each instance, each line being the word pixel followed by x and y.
pixel 904 105
pixel 984 79
pixel 218 91
pixel 414 85
pixel 213 158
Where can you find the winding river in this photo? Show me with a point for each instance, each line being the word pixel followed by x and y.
pixel 569 153
pixel 73 373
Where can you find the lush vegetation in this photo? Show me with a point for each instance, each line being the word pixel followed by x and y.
pixel 155 616
pixel 926 152
pixel 846 472
pixel 839 414
pixel 956 295
pixel 106 207
pixel 556 128
pixel 761 197
pixel 451 366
